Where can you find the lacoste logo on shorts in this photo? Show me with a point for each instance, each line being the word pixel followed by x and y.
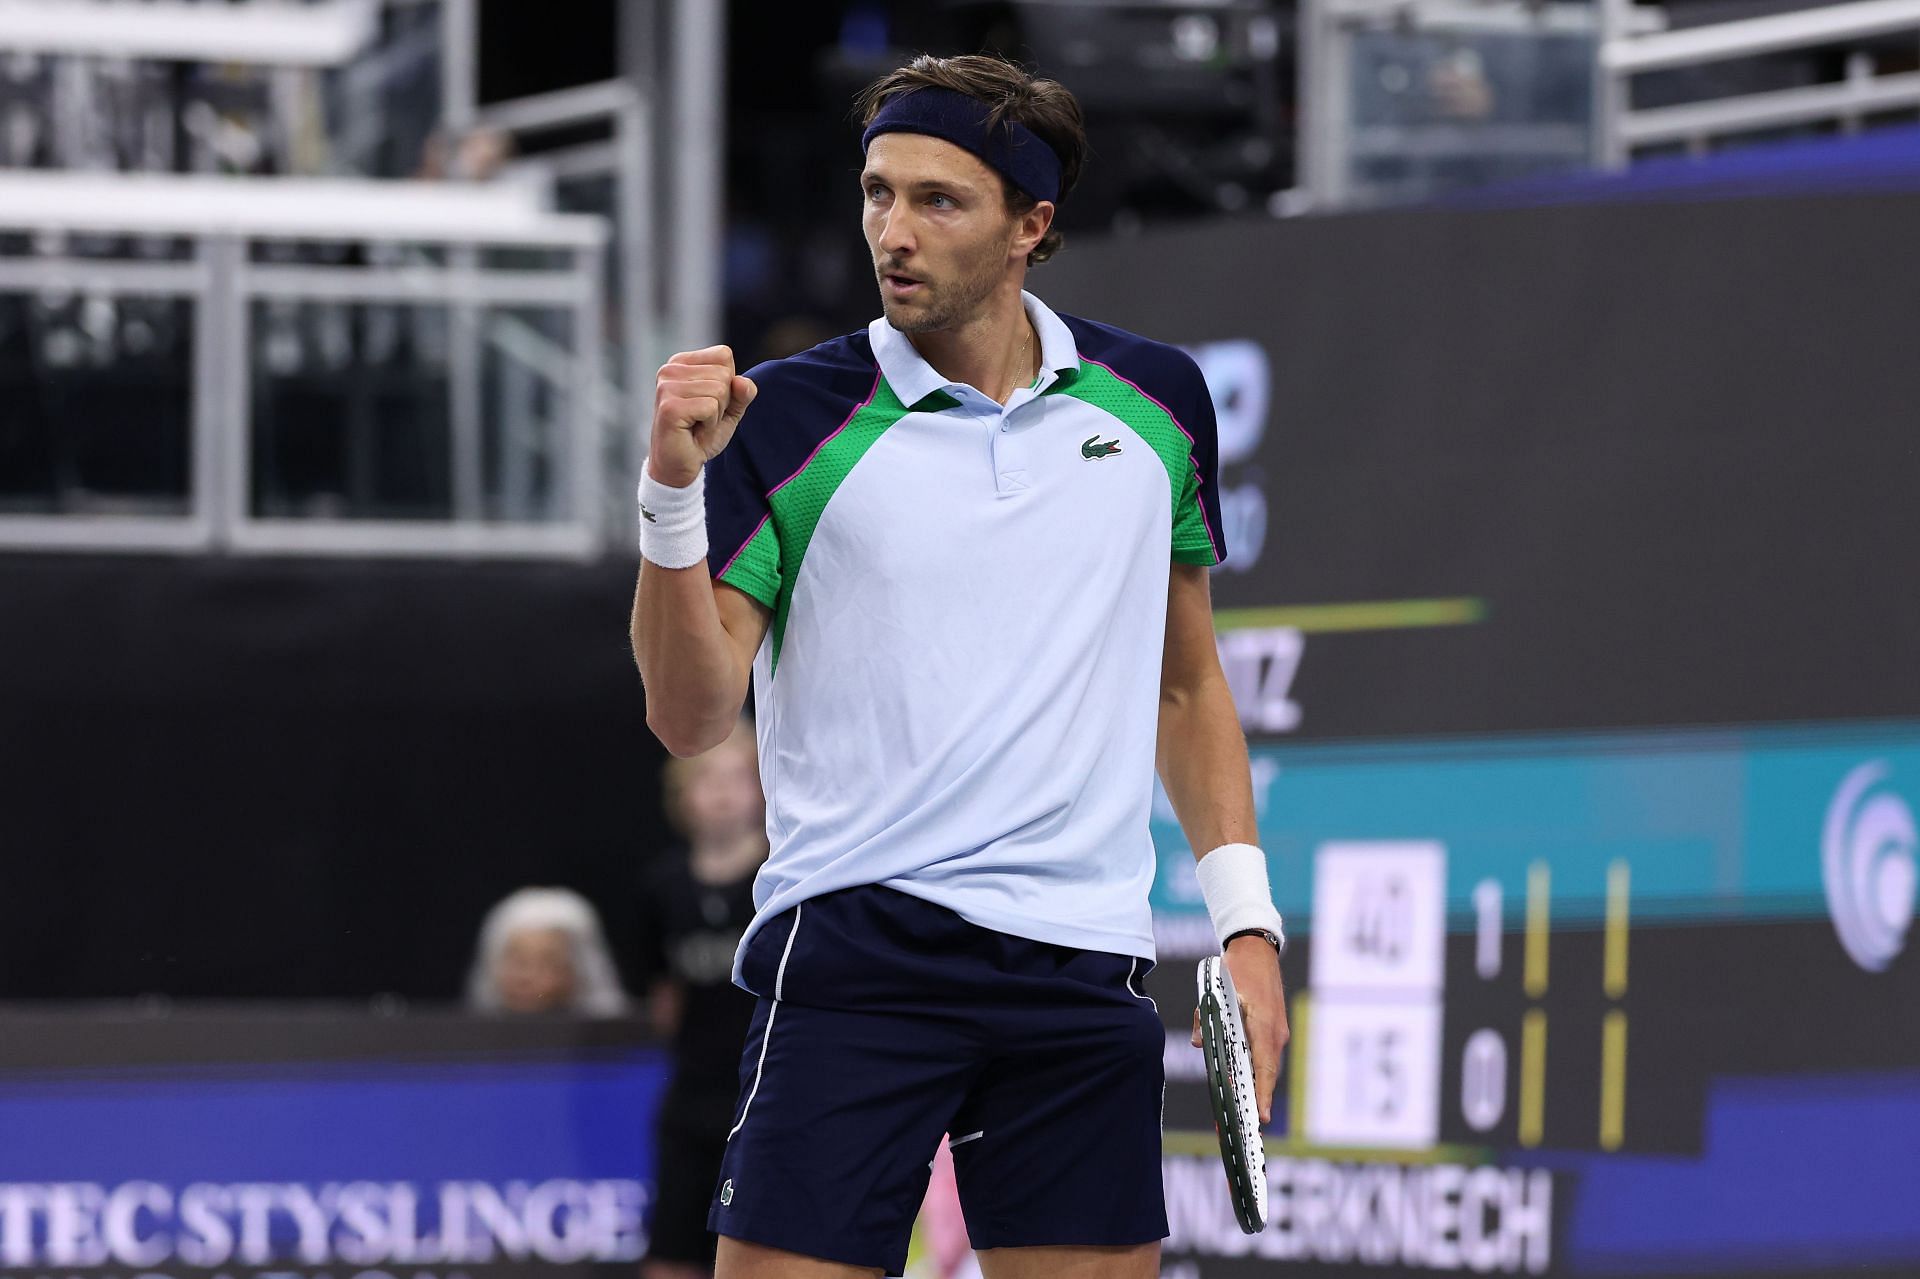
pixel 726 1192
pixel 1092 448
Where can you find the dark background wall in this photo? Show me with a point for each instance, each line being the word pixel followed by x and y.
pixel 239 777
pixel 1674 449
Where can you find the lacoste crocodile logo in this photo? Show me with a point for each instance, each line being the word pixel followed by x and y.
pixel 1092 448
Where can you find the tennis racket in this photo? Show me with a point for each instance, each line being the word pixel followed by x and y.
pixel 1236 1115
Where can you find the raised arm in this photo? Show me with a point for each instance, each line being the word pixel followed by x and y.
pixel 693 638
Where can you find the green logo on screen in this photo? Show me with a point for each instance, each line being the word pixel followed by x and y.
pixel 726 1192
pixel 1092 448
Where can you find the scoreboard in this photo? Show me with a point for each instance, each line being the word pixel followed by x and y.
pixel 1570 611
pixel 1639 1004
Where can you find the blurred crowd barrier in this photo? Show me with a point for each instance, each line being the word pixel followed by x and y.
pixel 291 278
pixel 205 362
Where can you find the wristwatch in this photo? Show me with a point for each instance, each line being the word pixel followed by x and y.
pixel 1271 938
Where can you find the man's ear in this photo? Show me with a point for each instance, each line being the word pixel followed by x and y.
pixel 1032 226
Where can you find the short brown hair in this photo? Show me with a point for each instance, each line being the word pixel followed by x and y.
pixel 1045 106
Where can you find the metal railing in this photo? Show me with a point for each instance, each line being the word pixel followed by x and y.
pixel 96 235
pixel 665 138
pixel 1624 55
pixel 1387 113
pixel 651 253
pixel 320 34
pixel 624 159
pixel 1402 99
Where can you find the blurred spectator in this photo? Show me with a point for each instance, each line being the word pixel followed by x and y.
pixel 541 951
pixel 1459 86
pixel 695 905
pixel 478 156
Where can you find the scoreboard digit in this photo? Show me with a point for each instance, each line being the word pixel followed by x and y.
pixel 1373 1068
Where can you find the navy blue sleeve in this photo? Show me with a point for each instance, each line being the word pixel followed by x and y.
pixel 743 548
pixel 1191 404
pixel 800 402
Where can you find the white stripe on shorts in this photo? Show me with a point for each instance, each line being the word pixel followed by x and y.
pixel 766 1036
pixel 1133 968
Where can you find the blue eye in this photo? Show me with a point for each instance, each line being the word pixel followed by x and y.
pixel 936 202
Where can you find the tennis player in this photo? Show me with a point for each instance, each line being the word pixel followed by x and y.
pixel 961 557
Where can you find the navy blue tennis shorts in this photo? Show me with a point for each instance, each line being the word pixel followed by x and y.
pixel 885 1021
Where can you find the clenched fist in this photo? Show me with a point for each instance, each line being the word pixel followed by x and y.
pixel 697 401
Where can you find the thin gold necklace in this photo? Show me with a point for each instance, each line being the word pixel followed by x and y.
pixel 1020 360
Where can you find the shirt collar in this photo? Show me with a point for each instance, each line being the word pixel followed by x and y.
pixel 913 379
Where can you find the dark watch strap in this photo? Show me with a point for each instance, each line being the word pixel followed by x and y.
pixel 1265 935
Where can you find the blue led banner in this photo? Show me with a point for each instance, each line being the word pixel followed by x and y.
pixel 538 1166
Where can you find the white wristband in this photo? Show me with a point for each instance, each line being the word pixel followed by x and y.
pixel 1233 880
pixel 673 521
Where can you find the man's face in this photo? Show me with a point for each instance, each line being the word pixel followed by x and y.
pixel 936 222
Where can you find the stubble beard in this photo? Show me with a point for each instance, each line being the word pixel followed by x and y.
pixel 948 306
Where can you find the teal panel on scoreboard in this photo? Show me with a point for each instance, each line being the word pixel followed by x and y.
pixel 1722 823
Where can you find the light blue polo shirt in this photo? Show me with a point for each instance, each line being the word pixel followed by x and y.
pixel 958 695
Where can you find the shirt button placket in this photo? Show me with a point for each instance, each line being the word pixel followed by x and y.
pixel 1010 457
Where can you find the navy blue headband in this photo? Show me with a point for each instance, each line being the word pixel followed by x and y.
pixel 1016 152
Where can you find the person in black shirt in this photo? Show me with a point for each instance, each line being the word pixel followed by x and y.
pixel 695 904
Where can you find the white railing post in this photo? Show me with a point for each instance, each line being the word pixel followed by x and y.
pixel 587 445
pixel 1612 94
pixel 222 424
pixel 1322 140
pixel 635 191
pixel 698 33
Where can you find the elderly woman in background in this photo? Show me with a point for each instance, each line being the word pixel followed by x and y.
pixel 541 951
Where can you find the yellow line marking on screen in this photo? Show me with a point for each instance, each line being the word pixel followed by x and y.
pixel 1619 883
pixel 1539 921
pixel 1363 615
pixel 1533 1076
pixel 1207 1144
pixel 1300 1021
pixel 1613 1080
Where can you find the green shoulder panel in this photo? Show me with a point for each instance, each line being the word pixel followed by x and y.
pixel 1098 386
pixel 755 569
pixel 801 499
